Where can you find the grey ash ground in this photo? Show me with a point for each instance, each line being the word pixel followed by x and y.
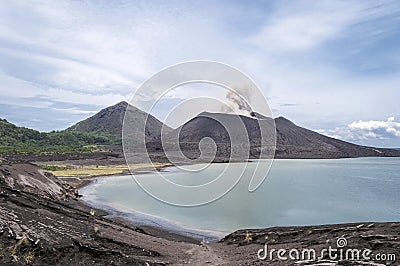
pixel 43 222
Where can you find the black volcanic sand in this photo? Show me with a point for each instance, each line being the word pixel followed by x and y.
pixel 380 238
pixel 42 222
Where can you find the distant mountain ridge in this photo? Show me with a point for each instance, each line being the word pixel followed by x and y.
pixel 105 127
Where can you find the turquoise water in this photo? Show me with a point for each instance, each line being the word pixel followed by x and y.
pixel 296 192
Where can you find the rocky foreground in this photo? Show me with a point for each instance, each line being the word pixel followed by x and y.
pixel 42 222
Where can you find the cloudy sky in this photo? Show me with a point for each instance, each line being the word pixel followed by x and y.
pixel 331 66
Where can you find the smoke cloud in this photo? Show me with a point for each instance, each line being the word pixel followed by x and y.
pixel 236 101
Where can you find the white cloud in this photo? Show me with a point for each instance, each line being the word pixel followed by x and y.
pixel 390 126
pixel 75 111
pixel 71 47
pixel 303 26
pixel 296 33
pixel 17 92
pixel 366 130
pixel 67 96
pixel 82 52
pixel 302 29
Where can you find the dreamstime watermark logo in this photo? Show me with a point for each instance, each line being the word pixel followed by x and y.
pixel 338 253
pixel 247 132
pixel 341 242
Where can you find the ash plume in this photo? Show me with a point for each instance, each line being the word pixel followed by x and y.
pixel 237 102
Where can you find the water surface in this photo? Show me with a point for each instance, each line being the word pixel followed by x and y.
pixel 296 192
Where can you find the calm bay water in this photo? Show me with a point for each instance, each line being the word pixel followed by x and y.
pixel 296 192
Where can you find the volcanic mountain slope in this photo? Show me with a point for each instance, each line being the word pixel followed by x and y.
pixel 296 142
pixel 241 128
pixel 292 141
pixel 244 132
pixel 109 122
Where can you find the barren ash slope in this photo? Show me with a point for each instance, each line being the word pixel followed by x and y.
pixel 42 222
pixel 109 122
pixel 292 141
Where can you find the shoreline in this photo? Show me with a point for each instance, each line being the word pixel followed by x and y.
pixel 135 218
pixel 139 219
pixel 149 169
pixel 80 182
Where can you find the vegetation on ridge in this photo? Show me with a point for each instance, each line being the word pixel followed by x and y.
pixel 14 139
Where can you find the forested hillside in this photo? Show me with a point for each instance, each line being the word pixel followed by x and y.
pixel 14 139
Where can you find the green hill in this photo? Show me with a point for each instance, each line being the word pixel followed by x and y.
pixel 14 139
